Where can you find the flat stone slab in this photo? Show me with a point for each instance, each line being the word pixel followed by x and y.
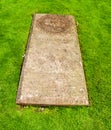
pixel 52 72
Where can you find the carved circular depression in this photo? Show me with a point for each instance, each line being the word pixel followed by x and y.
pixel 54 23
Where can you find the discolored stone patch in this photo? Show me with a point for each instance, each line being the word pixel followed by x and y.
pixel 52 72
pixel 54 23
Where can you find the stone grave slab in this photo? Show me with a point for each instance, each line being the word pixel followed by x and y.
pixel 52 71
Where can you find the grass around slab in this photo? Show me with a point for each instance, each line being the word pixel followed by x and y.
pixel 94 19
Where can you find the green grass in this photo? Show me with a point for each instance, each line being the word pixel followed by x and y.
pixel 94 31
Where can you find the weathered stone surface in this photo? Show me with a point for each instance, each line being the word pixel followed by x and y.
pixel 52 72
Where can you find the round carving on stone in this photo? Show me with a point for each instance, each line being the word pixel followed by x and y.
pixel 54 23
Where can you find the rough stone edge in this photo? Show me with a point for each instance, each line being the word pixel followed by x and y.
pixel 86 88
pixel 24 61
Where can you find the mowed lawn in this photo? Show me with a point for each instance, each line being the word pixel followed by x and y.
pixel 94 28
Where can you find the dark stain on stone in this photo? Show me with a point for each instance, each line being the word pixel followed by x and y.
pixel 54 23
